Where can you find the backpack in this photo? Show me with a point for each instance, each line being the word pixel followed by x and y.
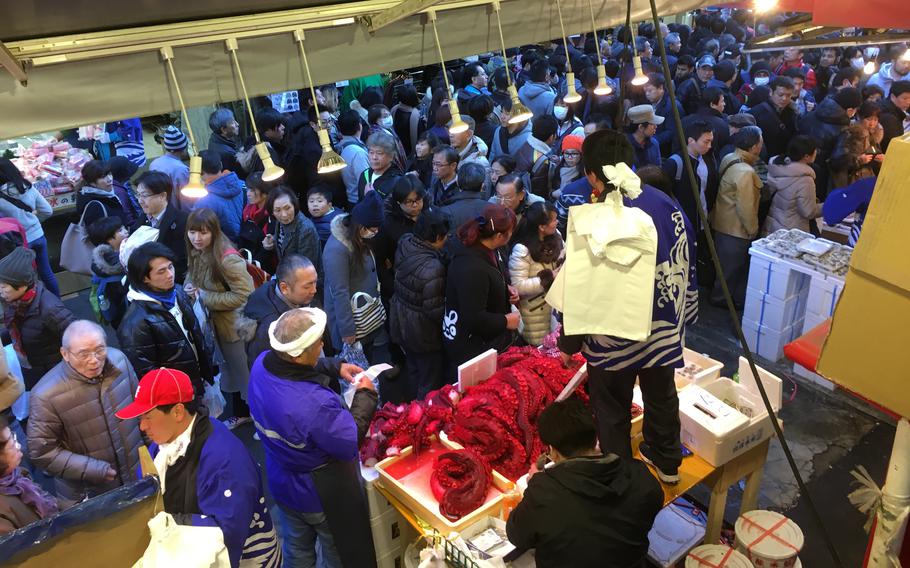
pixel 105 310
pixel 253 268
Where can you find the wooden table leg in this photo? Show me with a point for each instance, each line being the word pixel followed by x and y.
pixel 716 508
pixel 750 493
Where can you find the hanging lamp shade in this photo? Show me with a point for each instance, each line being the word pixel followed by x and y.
pixel 330 161
pixel 271 172
pixel 602 88
pixel 869 68
pixel 458 126
pixel 572 95
pixel 640 77
pixel 519 112
pixel 194 189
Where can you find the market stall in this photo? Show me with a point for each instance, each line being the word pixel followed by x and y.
pixel 53 167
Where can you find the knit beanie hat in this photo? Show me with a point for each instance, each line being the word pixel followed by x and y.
pixel 18 268
pixel 369 211
pixel 724 70
pixel 849 97
pixel 572 142
pixel 758 67
pixel 174 139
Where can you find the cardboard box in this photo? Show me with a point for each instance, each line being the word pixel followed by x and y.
pixel 732 431
pixel 866 349
pixel 476 370
pixel 772 312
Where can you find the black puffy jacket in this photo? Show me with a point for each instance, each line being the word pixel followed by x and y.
pixel 95 203
pixel 41 328
pixel 415 316
pixel 824 125
pixel 151 338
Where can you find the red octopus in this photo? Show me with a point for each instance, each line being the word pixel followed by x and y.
pixel 460 482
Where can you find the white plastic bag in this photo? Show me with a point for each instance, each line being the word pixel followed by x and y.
pixel 183 545
pixel 213 399
pixel 20 407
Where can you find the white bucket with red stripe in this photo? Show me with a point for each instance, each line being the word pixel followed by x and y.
pixel 716 556
pixel 768 539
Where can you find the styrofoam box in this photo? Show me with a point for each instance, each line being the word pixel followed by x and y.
pixel 674 533
pixel 812 321
pixel 393 559
pixel 772 312
pixel 769 343
pixel 391 533
pixel 775 276
pixel 700 434
pixel 377 504
pixel 710 369
pixel 487 523
pixel 819 380
pixel 823 295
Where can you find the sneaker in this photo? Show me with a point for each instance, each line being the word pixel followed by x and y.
pixel 235 421
pixel 668 476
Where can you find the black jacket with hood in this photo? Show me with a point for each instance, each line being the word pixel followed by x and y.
pixel 415 311
pixel 587 512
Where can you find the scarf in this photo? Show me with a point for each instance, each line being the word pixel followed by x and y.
pixel 167 299
pixel 170 452
pixel 13 316
pixel 29 492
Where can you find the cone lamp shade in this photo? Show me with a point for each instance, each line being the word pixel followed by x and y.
pixel 458 126
pixel 640 77
pixel 602 88
pixel 330 160
pixel 572 95
pixel 519 112
pixel 194 189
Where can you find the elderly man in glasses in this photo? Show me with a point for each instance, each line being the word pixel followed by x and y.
pixel 72 431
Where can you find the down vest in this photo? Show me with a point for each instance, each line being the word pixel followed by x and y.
pixel 536 313
pixel 151 337
pixel 415 316
pixel 72 430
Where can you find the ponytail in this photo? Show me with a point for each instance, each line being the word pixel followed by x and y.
pixel 494 219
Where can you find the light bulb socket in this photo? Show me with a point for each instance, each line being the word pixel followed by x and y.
pixel 572 95
pixel 270 171
pixel 194 189
pixel 602 88
pixel 640 77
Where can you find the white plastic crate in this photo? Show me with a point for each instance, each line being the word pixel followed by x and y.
pixel 811 322
pixel 391 533
pixel 772 312
pixel 769 343
pixel 377 504
pixel 709 369
pixel 824 291
pixel 775 276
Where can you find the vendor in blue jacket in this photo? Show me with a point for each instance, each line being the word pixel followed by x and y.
pixel 311 443
pixel 208 478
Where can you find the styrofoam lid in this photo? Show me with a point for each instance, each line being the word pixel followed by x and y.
pixel 769 535
pixel 716 555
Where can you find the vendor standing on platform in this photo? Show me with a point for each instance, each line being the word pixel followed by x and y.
pixel 310 440
pixel 614 363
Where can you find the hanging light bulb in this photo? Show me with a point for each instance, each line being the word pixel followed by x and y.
pixel 602 88
pixel 271 172
pixel 330 161
pixel 457 125
pixel 194 189
pixel 764 6
pixel 640 77
pixel 869 68
pixel 519 112
pixel 572 95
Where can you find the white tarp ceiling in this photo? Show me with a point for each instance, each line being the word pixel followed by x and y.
pixel 77 91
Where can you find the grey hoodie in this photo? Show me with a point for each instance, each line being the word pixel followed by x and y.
pixel 539 97
pixel 884 78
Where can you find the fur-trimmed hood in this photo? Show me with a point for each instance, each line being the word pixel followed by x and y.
pixel 338 231
pixel 106 261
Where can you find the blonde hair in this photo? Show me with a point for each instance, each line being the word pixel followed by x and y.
pixel 209 260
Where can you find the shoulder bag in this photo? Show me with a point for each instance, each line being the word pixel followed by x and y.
pixel 368 312
pixel 76 250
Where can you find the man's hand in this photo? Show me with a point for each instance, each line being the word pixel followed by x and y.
pixel 365 382
pixel 110 475
pixel 512 320
pixel 349 371
pixel 566 359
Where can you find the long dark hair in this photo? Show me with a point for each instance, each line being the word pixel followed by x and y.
pixel 359 246
pixel 494 219
pixel 9 173
pixel 208 260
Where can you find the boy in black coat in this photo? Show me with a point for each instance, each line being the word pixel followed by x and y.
pixel 588 509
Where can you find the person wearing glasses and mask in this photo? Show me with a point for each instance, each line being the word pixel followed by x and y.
pixel 72 431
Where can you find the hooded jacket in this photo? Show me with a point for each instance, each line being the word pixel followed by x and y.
pixel 96 203
pixel 476 303
pixel 824 125
pixel 539 97
pixel 264 306
pixel 31 220
pixel 884 78
pixel 227 149
pixel 395 225
pixel 73 433
pixel 462 207
pixel 892 120
pixel 226 196
pixel 415 312
pixel 225 299
pixel 778 127
pixel 587 512
pixel 736 211
pixel 505 142
pixel 344 277
pixel 536 314
pixel 106 268
pixel 793 204
pixel 474 153
pixel 151 337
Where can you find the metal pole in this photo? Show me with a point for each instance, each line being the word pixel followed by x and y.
pixel 889 528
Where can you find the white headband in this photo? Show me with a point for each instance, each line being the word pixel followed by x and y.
pixel 307 339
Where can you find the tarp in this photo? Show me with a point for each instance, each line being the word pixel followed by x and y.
pixel 82 92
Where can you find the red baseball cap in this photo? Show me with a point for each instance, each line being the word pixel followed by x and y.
pixel 158 387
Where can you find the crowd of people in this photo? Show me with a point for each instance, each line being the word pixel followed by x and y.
pixel 428 249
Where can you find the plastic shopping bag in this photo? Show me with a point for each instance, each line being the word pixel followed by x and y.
pixel 354 355
pixel 213 399
pixel 183 545
pixel 20 407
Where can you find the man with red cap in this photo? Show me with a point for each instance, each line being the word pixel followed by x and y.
pixel 208 478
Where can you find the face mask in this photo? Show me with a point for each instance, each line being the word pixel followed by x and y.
pixel 386 122
pixel 560 113
pixel 762 81
pixel 858 62
pixel 367 234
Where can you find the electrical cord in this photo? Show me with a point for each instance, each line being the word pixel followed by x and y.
pixel 709 237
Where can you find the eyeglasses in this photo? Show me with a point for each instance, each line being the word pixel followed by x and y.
pixel 146 196
pixel 84 356
pixel 507 200
pixel 571 154
pixel 413 201
pixel 441 164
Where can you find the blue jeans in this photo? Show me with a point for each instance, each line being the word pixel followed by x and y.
pixel 301 532
pixel 45 272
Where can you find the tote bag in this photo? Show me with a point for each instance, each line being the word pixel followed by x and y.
pixel 369 315
pixel 183 545
pixel 76 250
